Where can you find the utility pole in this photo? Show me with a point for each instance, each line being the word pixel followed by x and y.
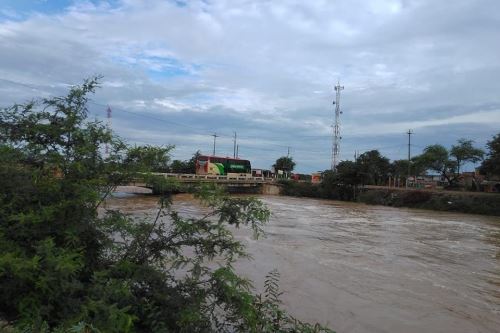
pixel 409 155
pixel 336 128
pixel 237 148
pixel 287 162
pixel 215 137
pixel 234 146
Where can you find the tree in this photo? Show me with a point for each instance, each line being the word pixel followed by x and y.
pixel 347 177
pixel 348 172
pixel 178 166
pixel 491 165
pixel 284 163
pixel 148 158
pixel 436 158
pixel 399 169
pixel 69 265
pixel 52 181
pixel 188 166
pixel 464 151
pixel 374 167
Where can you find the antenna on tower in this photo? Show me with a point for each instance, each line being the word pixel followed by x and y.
pixel 108 125
pixel 336 127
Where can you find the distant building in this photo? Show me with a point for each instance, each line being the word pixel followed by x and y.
pixel 491 186
pixel 266 174
pixel 427 181
pixel 316 177
pixel 471 180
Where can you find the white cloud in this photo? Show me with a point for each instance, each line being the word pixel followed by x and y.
pixel 491 118
pixel 269 61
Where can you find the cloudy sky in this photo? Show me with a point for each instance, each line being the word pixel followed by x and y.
pixel 176 72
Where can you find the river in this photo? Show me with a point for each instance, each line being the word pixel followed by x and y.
pixel 360 268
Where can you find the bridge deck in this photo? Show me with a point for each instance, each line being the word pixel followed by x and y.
pixel 236 180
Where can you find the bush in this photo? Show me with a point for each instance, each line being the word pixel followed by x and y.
pixel 299 189
pixel 66 268
pixel 374 197
pixel 413 198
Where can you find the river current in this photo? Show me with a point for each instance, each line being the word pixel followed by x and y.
pixel 360 268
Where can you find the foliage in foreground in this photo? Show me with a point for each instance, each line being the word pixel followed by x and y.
pixel 69 265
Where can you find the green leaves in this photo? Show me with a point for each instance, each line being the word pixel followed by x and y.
pixel 464 151
pixel 284 163
pixel 271 287
pixel 148 158
pixel 491 165
pixel 67 264
pixel 247 211
pixel 437 158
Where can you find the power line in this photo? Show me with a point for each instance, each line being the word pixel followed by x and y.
pixel 148 116
pixel 202 131
pixel 258 148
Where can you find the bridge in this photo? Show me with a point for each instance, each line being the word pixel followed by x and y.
pixel 237 184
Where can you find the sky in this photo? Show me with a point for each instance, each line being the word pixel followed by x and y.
pixel 176 72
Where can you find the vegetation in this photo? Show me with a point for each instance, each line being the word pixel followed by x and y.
pixel 441 201
pixel 464 151
pixel 491 165
pixel 69 265
pixel 284 163
pixel 188 166
pixel 447 164
pixel 148 158
pixel 436 158
pixel 340 185
pixel 371 168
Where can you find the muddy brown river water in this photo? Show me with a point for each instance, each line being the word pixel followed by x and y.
pixel 359 268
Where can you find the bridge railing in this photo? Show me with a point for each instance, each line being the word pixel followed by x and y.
pixel 184 176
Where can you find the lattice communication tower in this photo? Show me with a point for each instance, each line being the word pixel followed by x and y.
pixel 336 128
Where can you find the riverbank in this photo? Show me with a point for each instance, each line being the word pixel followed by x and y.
pixel 452 201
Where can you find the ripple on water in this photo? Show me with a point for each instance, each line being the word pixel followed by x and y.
pixel 374 269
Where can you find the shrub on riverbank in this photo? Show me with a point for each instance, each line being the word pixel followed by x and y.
pixel 394 198
pixel 300 189
pixel 441 201
pixel 324 190
pixel 486 204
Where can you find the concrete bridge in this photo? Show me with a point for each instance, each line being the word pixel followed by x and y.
pixel 234 184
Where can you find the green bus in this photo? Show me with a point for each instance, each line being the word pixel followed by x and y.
pixel 223 166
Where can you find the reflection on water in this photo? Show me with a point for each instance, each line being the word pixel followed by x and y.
pixel 364 268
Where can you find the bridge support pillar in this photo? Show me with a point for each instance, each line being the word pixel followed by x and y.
pixel 271 189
